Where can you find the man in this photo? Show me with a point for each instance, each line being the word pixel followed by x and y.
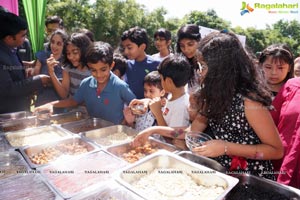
pixel 15 88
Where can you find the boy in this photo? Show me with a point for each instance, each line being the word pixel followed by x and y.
pixel 134 43
pixel 152 90
pixel 103 93
pixel 175 71
pixel 120 66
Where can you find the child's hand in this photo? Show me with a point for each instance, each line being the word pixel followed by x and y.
pixel 140 139
pixel 211 148
pixel 51 63
pixel 47 106
pixel 139 106
pixel 129 117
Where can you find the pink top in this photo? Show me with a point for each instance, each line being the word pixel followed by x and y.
pixel 286 117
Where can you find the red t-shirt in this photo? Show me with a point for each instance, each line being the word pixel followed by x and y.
pixel 286 117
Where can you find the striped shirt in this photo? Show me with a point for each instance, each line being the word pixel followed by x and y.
pixel 76 76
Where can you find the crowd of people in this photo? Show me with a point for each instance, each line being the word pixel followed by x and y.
pixel 211 84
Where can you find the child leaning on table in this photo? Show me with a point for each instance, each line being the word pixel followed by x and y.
pixel 103 93
pixel 152 90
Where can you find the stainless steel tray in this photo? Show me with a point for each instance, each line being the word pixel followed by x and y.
pixel 4 145
pixel 67 117
pixel 111 190
pixel 11 163
pixel 164 186
pixel 18 124
pixel 76 176
pixel 86 125
pixel 112 135
pixel 34 136
pixel 210 163
pixel 122 150
pixel 253 187
pixel 14 115
pixel 26 186
pixel 40 155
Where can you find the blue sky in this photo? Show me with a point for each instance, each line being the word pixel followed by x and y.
pixel 228 10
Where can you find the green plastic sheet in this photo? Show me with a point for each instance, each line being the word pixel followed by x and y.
pixel 35 14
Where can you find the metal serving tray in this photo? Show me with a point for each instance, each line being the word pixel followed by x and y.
pixel 34 136
pixel 253 187
pixel 86 125
pixel 120 150
pixel 14 115
pixel 111 190
pixel 207 162
pixel 112 135
pixel 67 117
pixel 18 124
pixel 26 186
pixel 11 162
pixel 170 165
pixel 73 177
pixel 4 145
pixel 40 155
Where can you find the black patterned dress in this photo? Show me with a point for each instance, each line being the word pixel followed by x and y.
pixel 234 127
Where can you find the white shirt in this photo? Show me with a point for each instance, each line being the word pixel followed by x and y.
pixel 176 113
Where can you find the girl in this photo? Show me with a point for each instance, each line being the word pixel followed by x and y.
pixel 75 68
pixel 57 46
pixel 162 42
pixel 188 37
pixel 278 65
pixel 233 103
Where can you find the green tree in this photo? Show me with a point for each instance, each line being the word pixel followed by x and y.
pixel 207 19
pixel 75 13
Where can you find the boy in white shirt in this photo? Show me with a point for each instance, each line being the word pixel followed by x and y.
pixel 175 72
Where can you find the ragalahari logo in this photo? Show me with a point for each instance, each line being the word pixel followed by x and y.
pixel 246 8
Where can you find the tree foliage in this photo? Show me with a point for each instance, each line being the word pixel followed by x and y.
pixel 109 18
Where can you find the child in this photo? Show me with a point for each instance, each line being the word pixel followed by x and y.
pixel 75 69
pixel 233 104
pixel 57 44
pixel 103 93
pixel 120 65
pixel 174 73
pixel 134 43
pixel 278 65
pixel 152 90
pixel 188 38
pixel 162 42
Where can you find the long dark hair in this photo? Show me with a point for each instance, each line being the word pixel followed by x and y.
pixel 230 71
pixel 81 41
pixel 192 32
pixel 280 52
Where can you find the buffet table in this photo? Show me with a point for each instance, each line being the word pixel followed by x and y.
pixel 74 156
